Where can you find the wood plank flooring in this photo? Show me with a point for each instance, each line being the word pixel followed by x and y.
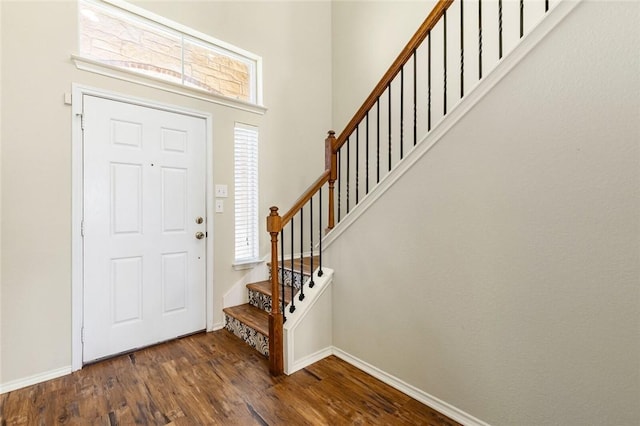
pixel 211 379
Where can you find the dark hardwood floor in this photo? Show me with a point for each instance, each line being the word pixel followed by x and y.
pixel 209 379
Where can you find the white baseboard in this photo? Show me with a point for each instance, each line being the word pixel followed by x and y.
pixel 310 359
pixel 415 393
pixel 217 326
pixel 35 379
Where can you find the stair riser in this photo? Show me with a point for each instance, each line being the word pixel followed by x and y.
pixel 260 300
pixel 297 277
pixel 256 340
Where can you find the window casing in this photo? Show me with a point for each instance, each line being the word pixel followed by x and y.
pixel 246 193
pixel 132 39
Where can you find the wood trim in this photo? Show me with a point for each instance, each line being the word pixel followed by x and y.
pixel 331 163
pixel 395 68
pixel 276 320
pixel 304 198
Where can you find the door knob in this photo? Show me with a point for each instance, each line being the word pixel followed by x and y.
pixel 199 220
pixel 199 235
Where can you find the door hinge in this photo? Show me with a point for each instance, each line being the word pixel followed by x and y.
pixel 81 121
pixel 82 334
pixel 82 228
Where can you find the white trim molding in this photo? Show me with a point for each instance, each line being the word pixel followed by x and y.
pixel 96 67
pixel 35 379
pixel 437 404
pixel 312 315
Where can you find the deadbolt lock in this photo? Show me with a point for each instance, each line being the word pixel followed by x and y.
pixel 199 220
pixel 199 235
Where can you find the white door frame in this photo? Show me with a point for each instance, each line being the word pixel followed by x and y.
pixel 77 193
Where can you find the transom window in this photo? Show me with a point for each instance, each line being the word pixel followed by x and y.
pixel 159 48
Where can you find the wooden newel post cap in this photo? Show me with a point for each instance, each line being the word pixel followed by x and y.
pixel 274 221
pixel 331 133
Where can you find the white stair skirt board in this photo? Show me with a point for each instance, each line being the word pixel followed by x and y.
pixel 553 18
pixel 35 379
pixel 429 400
pixel 307 333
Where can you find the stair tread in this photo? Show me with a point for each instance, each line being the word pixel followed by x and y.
pixel 305 262
pixel 250 315
pixel 264 287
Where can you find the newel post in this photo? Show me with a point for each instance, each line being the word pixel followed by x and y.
pixel 331 164
pixel 276 359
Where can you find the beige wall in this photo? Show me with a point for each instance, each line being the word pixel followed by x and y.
pixel 503 276
pixel 366 38
pixel 0 189
pixel 37 41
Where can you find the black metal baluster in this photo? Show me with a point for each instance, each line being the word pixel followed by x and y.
pixel 429 81
pixel 311 283
pixel 320 273
pixel 282 287
pixel 348 179
pixel 389 113
pixel 499 29
pixel 546 5
pixel 521 18
pixel 378 141
pixel 291 257
pixel 357 164
pixel 301 298
pixel 461 49
pixel 367 160
pixel 479 39
pixel 401 110
pixel 444 17
pixel 415 98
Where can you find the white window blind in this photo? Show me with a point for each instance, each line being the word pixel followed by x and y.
pixel 246 193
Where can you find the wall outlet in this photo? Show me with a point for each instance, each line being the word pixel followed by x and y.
pixel 221 191
pixel 219 206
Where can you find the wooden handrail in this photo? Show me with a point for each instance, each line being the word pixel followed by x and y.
pixel 395 68
pixel 304 198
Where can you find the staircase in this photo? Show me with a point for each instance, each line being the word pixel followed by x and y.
pixel 250 321
pixel 451 56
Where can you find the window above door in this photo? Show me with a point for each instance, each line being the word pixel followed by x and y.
pixel 128 38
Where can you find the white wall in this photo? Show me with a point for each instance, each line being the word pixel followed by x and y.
pixel 37 41
pixel 503 276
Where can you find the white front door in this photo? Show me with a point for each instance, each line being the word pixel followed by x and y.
pixel 144 195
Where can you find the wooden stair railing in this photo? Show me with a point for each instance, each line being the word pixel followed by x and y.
pixel 395 68
pixel 275 227
pixel 276 223
pixel 429 106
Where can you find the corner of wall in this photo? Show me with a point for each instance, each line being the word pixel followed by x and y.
pixel 308 335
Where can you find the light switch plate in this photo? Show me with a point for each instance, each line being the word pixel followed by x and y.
pixel 221 191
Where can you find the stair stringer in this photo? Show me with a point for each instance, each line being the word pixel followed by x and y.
pixel 552 19
pixel 307 333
